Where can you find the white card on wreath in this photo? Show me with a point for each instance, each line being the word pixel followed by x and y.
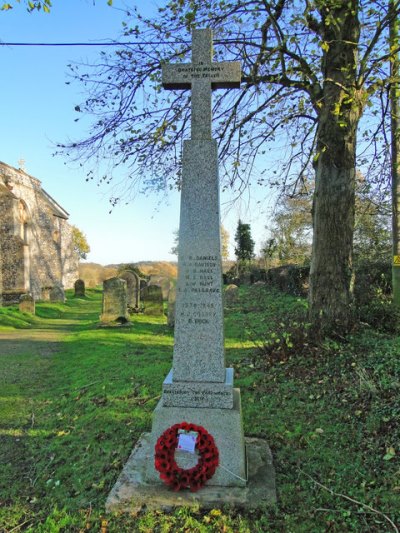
pixel 187 442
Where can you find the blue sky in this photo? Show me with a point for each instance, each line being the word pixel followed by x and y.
pixel 37 111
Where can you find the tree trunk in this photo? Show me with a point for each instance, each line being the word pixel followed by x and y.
pixel 330 295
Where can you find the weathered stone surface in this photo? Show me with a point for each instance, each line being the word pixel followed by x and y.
pixel 12 297
pixel 36 242
pixel 199 393
pixel 199 337
pixel 45 294
pixel 171 306
pixel 27 304
pixel 153 300
pixel 131 491
pixel 163 282
pixel 231 294
pixel 57 294
pixel 114 301
pixel 79 287
pixel 225 425
pixel 202 75
pixel 132 289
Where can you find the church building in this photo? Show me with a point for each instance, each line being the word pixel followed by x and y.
pixel 36 244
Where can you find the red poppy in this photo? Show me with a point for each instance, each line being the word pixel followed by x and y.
pixel 193 478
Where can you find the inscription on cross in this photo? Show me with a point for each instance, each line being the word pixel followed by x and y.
pixel 202 76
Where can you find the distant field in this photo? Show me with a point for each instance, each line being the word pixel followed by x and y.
pixel 94 274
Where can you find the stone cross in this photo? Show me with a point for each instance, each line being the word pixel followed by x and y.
pixel 199 388
pixel 202 76
pixel 199 377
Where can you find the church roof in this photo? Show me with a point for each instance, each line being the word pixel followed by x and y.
pixel 9 174
pixel 56 207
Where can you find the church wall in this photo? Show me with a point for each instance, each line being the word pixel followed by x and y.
pixel 39 253
pixel 12 246
pixel 69 257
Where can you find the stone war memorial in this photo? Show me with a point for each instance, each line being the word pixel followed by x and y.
pixel 196 452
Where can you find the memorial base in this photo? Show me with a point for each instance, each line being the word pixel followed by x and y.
pixel 225 425
pixel 131 492
pixel 198 394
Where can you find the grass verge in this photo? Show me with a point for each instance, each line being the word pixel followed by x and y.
pixel 70 415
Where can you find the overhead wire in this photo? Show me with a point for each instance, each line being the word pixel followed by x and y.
pixel 116 43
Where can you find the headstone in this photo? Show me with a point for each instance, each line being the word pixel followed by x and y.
pixel 114 307
pixel 162 282
pixel 57 294
pixel 153 300
pixel 199 388
pixel 45 294
pixel 27 304
pixel 246 278
pixel 79 287
pixel 231 294
pixel 132 289
pixel 171 306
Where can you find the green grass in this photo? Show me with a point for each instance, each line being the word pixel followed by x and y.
pixel 71 411
pixel 10 317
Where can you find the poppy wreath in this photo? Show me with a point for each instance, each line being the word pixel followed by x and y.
pixel 180 478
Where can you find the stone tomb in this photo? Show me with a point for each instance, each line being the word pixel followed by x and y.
pixel 114 307
pixel 79 287
pixel 199 388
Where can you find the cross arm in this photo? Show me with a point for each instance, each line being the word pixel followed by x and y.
pixel 224 75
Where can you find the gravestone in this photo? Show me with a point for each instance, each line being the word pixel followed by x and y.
pixel 27 304
pixel 171 306
pixel 231 294
pixel 114 308
pixel 153 300
pixel 199 388
pixel 45 294
pixel 132 289
pixel 162 282
pixel 57 294
pixel 246 278
pixel 79 287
